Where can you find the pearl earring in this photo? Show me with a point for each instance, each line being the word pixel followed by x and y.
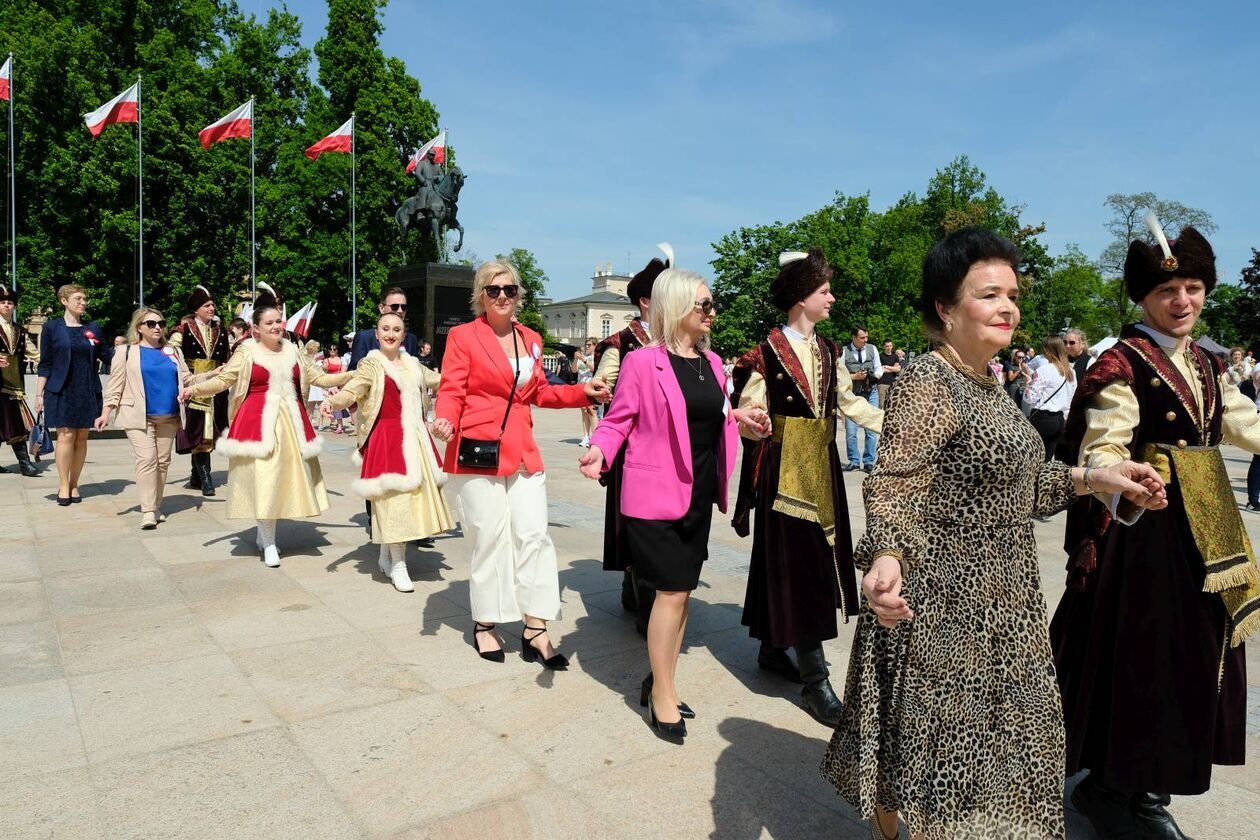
pixel 949 326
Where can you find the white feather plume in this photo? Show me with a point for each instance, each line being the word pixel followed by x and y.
pixel 1157 230
pixel 261 285
pixel 791 257
pixel 668 251
pixel 203 288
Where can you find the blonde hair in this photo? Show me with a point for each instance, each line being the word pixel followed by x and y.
pixel 673 299
pixel 133 329
pixel 1056 353
pixel 310 347
pixel 64 292
pixel 488 271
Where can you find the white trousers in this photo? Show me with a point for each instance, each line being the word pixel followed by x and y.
pixel 513 566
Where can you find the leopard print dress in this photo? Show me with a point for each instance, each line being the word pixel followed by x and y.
pixel 954 718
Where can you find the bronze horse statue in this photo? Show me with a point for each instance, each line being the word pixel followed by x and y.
pixel 439 213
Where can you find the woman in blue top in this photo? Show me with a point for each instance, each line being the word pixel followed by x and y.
pixel 145 378
pixel 69 388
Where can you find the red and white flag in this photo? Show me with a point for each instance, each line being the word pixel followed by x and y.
pixel 6 73
pixel 437 144
pixel 123 108
pixel 341 140
pixel 300 322
pixel 239 123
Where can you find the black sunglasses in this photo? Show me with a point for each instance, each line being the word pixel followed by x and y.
pixel 706 306
pixel 397 307
pixel 511 291
pixel 152 324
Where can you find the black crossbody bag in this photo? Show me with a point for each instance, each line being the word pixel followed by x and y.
pixel 484 454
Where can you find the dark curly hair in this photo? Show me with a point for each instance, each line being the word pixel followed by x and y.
pixel 946 266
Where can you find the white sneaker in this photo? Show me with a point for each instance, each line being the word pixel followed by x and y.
pixel 148 521
pixel 271 556
pixel 398 574
pixel 586 441
pixel 383 561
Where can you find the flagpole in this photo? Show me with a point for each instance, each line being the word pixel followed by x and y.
pixel 140 166
pixel 12 189
pixel 253 244
pixel 354 276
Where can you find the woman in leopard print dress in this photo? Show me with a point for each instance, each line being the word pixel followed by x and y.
pixel 952 712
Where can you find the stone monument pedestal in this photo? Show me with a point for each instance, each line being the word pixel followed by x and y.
pixel 437 299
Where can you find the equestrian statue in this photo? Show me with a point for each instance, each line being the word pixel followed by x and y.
pixel 434 206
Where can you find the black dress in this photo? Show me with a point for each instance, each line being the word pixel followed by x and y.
pixel 668 554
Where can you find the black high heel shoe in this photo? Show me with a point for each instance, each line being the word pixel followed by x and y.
pixel 556 662
pixel 490 655
pixel 675 731
pixel 645 693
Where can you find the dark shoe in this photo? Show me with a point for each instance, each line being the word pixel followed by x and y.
pixel 207 480
pixel 1150 813
pixel 489 655
pixel 645 694
pixel 850 468
pixel 869 468
pixel 1107 810
pixel 25 466
pixel 194 480
pixel 3 470
pixel 675 731
pixel 529 653
pixel 426 542
pixel 1252 506
pixel 818 697
pixel 777 661
pixel 74 500
pixel 64 501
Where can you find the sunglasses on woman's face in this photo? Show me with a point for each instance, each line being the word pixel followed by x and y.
pixel 152 324
pixel 706 306
pixel 509 291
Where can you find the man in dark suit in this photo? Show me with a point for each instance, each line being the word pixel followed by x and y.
pixel 394 300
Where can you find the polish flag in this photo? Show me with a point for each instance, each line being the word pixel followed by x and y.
pixel 437 144
pixel 239 123
pixel 6 73
pixel 123 108
pixel 341 140
pixel 300 322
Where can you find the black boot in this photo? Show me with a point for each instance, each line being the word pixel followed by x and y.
pixel 203 468
pixel 1150 812
pixel 818 697
pixel 1106 809
pixel 194 479
pixel 25 465
pixel 777 661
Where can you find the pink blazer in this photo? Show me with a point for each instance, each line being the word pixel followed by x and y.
pixel 648 416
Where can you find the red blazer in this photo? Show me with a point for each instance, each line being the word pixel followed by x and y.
pixel 649 418
pixel 476 380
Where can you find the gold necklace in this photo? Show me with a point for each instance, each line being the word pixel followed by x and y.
pixel 951 357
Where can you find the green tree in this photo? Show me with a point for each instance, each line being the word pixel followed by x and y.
pixel 1068 294
pixel 533 286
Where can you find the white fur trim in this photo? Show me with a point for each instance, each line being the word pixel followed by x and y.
pixel 415 433
pixel 280 391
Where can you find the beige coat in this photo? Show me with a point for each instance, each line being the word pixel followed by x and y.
pixel 367 384
pixel 125 389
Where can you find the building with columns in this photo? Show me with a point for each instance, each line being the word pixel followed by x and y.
pixel 604 311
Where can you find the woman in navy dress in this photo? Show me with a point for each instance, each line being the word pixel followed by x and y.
pixel 69 387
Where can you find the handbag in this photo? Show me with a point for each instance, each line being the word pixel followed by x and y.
pixel 484 454
pixel 41 442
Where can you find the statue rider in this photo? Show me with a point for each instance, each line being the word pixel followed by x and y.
pixel 427 172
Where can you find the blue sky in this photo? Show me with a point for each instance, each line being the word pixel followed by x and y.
pixel 593 130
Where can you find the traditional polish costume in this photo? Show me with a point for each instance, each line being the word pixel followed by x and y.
pixel 15 417
pixel 205 347
pixel 400 471
pixel 609 354
pixel 272 448
pixel 1148 637
pixel 801 569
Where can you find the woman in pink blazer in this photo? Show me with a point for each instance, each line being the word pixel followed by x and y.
pixel 673 416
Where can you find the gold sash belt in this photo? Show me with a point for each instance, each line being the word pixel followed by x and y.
pixel 804 490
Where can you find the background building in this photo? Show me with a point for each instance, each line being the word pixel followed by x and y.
pixel 604 311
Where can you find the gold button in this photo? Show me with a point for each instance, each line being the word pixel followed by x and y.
pixel 789 397
pixel 1172 415
pixel 1181 444
pixel 778 376
pixel 1155 380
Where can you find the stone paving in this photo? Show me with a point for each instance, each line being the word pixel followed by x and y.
pixel 166 684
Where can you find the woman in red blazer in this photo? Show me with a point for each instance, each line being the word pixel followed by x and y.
pixel 673 416
pixel 503 509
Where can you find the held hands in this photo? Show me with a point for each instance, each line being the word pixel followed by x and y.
pixel 4 361
pixel 755 420
pixel 101 422
pixel 882 588
pixel 597 390
pixel 592 462
pixel 325 409
pixel 1140 484
pixel 441 429
pixel 185 394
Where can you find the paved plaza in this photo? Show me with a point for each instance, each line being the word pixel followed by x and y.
pixel 166 684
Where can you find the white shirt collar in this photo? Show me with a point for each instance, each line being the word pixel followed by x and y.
pixel 644 324
pixel 1165 341
pixel 794 334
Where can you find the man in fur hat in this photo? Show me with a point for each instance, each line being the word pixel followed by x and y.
pixel 204 343
pixel 608 355
pixel 1148 638
pixel 802 554
pixel 15 417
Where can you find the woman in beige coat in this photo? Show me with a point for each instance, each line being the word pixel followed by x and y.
pixel 144 384
pixel 272 448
